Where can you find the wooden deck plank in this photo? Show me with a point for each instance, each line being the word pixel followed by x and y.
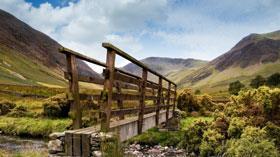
pixel 77 144
pixel 85 145
pixel 68 144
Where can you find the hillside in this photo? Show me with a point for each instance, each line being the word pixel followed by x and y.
pixel 29 56
pixel 166 66
pixel 256 54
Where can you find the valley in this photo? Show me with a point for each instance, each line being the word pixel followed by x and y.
pixel 228 106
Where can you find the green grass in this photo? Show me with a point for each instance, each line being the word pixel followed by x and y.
pixel 166 138
pixel 32 127
pixel 32 90
pixel 154 137
pixel 185 123
pixel 16 68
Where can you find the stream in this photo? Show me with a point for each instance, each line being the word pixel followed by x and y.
pixel 16 144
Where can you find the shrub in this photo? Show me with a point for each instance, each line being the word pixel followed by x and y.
pixel 258 81
pixel 219 107
pixel 187 101
pixel 195 104
pixel 90 118
pixel 6 107
pixel 274 80
pixel 235 87
pixel 236 127
pixel 273 132
pixel 221 125
pixel 205 102
pixel 260 104
pixel 56 106
pixel 253 142
pixel 197 92
pixel 212 143
pixel 193 136
pixel 275 108
pixel 20 111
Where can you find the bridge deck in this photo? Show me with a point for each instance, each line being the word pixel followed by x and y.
pixel 77 142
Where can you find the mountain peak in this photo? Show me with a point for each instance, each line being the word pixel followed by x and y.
pixel 253 49
pixel 251 56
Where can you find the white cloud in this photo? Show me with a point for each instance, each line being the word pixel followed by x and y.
pixel 198 29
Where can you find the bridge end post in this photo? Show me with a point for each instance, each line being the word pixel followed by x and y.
pixel 74 91
pixel 107 93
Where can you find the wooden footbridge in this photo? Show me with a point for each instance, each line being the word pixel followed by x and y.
pixel 154 100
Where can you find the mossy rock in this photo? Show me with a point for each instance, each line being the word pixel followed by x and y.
pixel 6 107
pixel 56 107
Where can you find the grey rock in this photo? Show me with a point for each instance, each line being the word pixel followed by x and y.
pixel 97 154
pixel 55 146
pixel 56 135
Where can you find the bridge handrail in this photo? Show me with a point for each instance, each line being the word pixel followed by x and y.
pixel 119 52
pixel 133 60
pixel 118 78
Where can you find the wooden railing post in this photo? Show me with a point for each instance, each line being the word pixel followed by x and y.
pixel 168 100
pixel 175 98
pixel 119 101
pixel 154 94
pixel 159 95
pixel 107 93
pixel 142 100
pixel 74 91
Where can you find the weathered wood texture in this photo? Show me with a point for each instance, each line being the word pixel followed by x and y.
pixel 133 60
pixel 144 89
pixel 142 99
pixel 120 100
pixel 168 100
pixel 175 98
pixel 107 93
pixel 159 97
pixel 74 91
pixel 128 87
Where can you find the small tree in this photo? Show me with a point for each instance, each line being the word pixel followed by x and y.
pixel 274 80
pixel 235 87
pixel 197 92
pixel 258 81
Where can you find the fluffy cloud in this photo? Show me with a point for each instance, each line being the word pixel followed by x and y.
pixel 173 28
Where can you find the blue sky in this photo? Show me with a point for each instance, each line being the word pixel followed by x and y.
pixel 54 3
pixel 202 29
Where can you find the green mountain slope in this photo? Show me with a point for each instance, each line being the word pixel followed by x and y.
pixel 16 68
pixel 166 66
pixel 256 54
pixel 28 56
